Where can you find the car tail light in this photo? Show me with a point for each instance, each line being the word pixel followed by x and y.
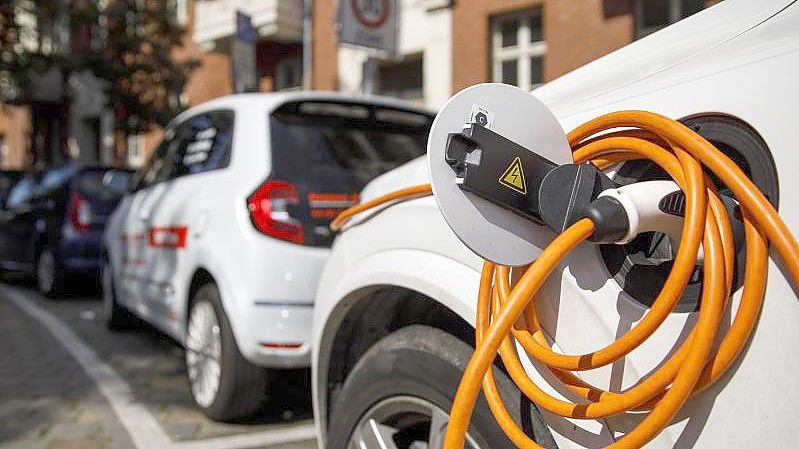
pixel 270 211
pixel 80 213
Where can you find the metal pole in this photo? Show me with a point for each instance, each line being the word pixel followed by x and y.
pixel 307 45
pixel 369 76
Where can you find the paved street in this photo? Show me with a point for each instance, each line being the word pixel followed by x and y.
pixel 68 382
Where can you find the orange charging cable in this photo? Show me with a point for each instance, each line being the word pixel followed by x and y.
pixel 508 314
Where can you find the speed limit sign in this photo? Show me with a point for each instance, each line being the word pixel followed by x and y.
pixel 369 23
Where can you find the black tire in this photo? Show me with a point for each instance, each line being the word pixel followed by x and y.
pixel 49 276
pixel 116 317
pixel 426 363
pixel 242 385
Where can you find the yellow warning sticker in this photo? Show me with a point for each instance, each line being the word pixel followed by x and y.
pixel 513 177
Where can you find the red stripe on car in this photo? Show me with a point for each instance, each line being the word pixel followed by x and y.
pixel 169 237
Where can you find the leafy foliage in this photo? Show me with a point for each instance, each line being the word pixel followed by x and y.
pixel 130 44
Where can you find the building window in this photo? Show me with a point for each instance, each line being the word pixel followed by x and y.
pixel 404 79
pixel 288 74
pixel 136 150
pixel 179 12
pixel 518 49
pixel 652 15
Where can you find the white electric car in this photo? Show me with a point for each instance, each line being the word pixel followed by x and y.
pixel 395 309
pixel 221 241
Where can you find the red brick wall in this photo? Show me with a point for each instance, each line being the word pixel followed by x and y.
pixel 15 127
pixel 325 49
pixel 576 32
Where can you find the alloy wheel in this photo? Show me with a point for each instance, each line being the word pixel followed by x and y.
pixel 403 422
pixel 203 353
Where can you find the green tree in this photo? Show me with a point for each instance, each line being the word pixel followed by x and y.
pixel 131 44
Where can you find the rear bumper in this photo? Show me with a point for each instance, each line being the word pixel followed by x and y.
pixel 80 253
pixel 277 334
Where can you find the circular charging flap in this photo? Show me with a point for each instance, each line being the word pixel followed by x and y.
pixel 493 232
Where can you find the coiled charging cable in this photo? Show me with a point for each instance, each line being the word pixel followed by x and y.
pixel 504 311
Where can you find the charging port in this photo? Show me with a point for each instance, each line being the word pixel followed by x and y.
pixel 641 266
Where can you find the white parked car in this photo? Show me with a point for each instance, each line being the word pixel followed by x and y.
pixel 221 241
pixel 395 309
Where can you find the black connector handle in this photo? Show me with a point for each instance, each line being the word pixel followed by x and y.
pixel 507 174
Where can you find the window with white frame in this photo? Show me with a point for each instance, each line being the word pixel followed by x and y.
pixel 180 12
pixel 135 150
pixel 652 15
pixel 518 49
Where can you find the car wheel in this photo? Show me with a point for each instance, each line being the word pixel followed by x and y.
pixel 400 392
pixel 223 383
pixel 49 279
pixel 116 316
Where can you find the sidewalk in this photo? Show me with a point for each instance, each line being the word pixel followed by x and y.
pixel 46 400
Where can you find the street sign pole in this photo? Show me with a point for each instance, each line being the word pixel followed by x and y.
pixel 369 78
pixel 307 45
pixel 372 25
pixel 243 55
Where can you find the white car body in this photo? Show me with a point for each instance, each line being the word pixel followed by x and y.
pixel 267 285
pixel 738 58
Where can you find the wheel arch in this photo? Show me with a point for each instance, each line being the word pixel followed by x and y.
pixel 201 276
pixel 365 316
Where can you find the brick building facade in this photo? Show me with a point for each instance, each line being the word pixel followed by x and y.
pixel 444 46
pixel 522 42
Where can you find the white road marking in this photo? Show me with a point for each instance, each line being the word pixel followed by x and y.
pixel 140 424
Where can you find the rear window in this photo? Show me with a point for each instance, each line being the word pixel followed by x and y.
pixel 55 178
pixel 331 150
pixel 105 185
pixel 331 145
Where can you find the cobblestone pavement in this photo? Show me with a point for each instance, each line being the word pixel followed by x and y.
pixel 48 401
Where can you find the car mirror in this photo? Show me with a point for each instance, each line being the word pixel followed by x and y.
pixel 117 181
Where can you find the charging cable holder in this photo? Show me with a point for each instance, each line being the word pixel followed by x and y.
pixel 491 229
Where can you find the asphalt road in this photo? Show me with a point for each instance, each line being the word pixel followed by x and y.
pixel 68 382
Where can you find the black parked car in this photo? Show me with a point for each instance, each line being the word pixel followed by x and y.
pixel 8 179
pixel 51 224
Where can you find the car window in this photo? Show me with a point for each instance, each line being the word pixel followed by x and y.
pixel 22 192
pixel 205 143
pixel 158 167
pixel 328 147
pixel 55 178
pixel 328 151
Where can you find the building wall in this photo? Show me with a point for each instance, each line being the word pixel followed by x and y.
pixel 575 33
pixel 90 121
pixel 15 127
pixel 425 31
pixel 213 77
pixel 324 68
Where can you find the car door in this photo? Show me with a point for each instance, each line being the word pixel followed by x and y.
pixel 179 212
pixel 17 224
pixel 135 223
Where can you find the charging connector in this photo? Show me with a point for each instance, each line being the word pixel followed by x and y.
pixel 509 175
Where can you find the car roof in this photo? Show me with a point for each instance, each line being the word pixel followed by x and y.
pixel 270 101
